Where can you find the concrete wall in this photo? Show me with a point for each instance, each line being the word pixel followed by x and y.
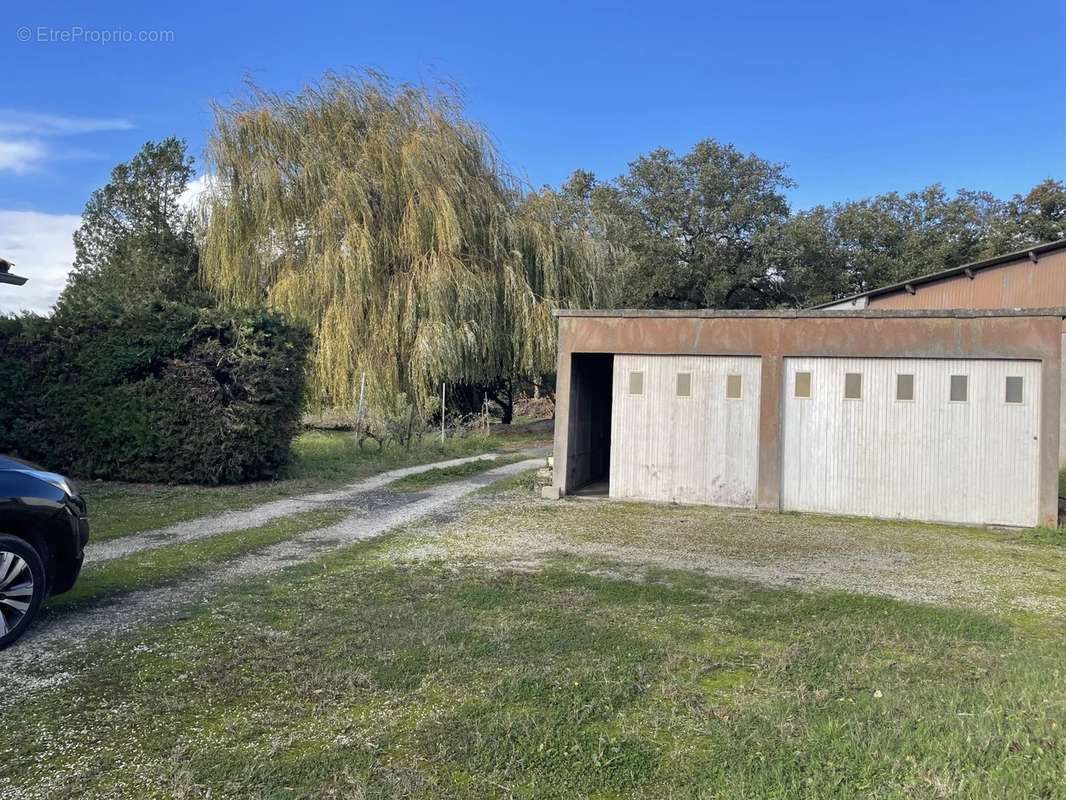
pixel 1035 336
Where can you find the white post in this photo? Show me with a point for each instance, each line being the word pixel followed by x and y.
pixel 359 410
pixel 442 413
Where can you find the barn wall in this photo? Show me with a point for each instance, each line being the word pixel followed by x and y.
pixel 1016 284
pixel 772 337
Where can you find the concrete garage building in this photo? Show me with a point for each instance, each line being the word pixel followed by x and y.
pixel 1033 278
pixel 939 415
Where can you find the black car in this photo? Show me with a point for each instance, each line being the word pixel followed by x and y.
pixel 43 532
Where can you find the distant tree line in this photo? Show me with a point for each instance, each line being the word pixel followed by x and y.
pixel 712 229
pixel 383 220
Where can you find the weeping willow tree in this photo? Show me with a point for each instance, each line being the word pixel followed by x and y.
pixel 386 221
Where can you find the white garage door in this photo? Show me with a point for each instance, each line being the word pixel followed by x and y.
pixel 685 429
pixel 955 441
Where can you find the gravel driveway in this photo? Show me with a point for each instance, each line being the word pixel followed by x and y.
pixel 1019 573
pixel 29 665
pixel 262 514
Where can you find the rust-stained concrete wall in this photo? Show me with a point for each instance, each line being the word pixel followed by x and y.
pixel 775 336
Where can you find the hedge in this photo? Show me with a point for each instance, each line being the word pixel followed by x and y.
pixel 162 393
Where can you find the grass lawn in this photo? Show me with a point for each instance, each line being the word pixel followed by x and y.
pixel 584 649
pixel 320 460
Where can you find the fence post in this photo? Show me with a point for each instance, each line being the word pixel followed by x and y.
pixel 442 413
pixel 361 406
pixel 410 425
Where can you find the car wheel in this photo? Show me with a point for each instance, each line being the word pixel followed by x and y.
pixel 22 587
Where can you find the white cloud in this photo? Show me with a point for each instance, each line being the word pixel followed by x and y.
pixel 190 198
pixel 42 250
pixel 28 123
pixel 22 135
pixel 20 156
pixel 39 244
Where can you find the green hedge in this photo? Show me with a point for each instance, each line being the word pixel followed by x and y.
pixel 161 393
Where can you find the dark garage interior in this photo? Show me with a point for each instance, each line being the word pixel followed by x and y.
pixel 591 389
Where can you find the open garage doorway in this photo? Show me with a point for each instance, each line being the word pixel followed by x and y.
pixel 589 456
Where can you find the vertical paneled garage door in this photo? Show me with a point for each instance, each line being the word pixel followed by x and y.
pixel 685 429
pixel 955 441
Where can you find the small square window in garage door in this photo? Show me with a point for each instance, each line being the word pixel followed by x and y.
pixel 1015 389
pixel 684 384
pixel 853 386
pixel 636 383
pixel 733 387
pixel 960 388
pixel 904 387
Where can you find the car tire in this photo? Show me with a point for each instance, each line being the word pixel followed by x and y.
pixel 23 585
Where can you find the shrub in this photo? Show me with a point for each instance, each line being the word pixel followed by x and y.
pixel 162 393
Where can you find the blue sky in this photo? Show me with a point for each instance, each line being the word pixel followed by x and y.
pixel 857 98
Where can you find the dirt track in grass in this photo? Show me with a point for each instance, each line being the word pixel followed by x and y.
pixel 28 666
pixel 362 492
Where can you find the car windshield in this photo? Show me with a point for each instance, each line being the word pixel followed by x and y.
pixel 10 462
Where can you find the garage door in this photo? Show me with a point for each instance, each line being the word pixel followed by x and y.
pixel 685 429
pixel 954 441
